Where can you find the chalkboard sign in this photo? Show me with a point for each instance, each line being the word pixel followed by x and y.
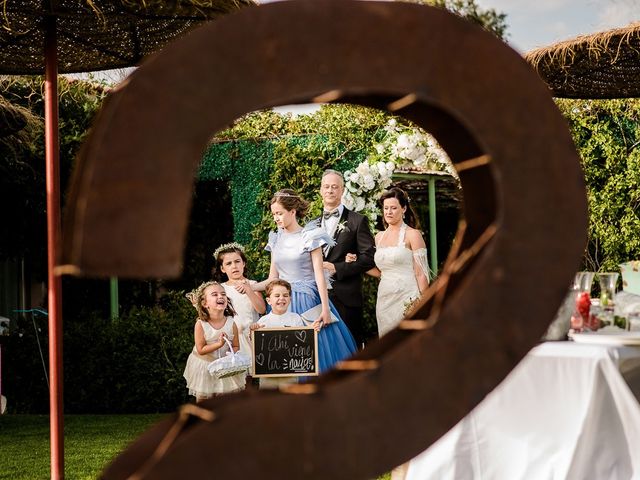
pixel 285 352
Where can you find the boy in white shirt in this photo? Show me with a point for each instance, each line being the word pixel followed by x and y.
pixel 279 297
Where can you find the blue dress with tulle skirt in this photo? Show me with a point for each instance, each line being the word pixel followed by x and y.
pixel 291 253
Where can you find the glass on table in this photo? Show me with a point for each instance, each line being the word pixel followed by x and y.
pixel 583 281
pixel 580 318
pixel 608 281
pixel 581 290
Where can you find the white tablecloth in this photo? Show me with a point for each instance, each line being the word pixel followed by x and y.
pixel 567 411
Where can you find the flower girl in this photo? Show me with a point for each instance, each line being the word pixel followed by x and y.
pixel 213 327
pixel 231 265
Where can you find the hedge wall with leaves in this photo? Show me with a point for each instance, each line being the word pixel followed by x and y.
pixel 266 151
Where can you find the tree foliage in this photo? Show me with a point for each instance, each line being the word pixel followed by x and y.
pixel 607 135
pixel 488 18
pixel 22 163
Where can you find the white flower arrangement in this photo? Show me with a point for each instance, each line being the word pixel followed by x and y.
pixel 410 146
pixel 401 146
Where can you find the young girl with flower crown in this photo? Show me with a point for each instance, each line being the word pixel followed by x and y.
pixel 231 266
pixel 214 326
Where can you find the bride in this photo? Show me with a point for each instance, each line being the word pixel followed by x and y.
pixel 401 261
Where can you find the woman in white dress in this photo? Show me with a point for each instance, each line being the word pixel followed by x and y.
pixel 401 261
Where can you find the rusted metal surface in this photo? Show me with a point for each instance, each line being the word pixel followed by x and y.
pixel 54 234
pixel 522 237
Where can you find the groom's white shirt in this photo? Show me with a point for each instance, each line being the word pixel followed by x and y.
pixel 331 224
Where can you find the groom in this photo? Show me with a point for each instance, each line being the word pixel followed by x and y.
pixel 351 232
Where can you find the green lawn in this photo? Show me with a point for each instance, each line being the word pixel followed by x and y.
pixel 91 441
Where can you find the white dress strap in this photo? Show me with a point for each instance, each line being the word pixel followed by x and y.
pixel 228 327
pixel 403 230
pixel 207 330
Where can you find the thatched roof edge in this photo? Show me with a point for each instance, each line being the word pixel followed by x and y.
pixel 97 35
pixel 595 44
pixel 600 65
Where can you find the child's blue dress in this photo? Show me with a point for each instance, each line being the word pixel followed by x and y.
pixel 291 253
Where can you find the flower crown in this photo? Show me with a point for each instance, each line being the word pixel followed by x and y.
pixel 227 246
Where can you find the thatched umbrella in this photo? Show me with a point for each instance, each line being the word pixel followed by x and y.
pixel 602 65
pixel 97 34
pixel 70 36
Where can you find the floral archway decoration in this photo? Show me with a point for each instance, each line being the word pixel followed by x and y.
pixel 403 147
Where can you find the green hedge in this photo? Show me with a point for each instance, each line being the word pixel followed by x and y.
pixel 130 365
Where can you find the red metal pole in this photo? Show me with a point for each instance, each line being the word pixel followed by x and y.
pixel 52 157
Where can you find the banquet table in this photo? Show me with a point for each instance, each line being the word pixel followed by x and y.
pixel 567 411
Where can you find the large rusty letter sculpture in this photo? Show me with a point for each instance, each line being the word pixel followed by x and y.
pixel 520 240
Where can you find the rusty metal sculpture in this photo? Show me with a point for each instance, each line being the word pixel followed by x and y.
pixel 518 245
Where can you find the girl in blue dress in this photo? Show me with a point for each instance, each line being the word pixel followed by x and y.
pixel 296 256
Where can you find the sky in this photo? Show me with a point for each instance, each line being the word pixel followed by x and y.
pixel 538 23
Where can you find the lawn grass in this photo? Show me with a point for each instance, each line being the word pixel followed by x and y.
pixel 91 442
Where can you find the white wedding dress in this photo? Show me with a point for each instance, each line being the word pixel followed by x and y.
pixel 398 285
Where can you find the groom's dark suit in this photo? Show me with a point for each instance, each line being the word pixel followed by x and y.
pixel 352 236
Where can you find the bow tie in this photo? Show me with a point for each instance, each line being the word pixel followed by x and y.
pixel 327 215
